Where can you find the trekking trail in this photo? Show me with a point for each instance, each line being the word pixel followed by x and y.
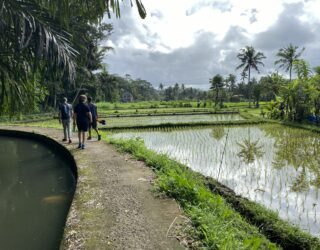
pixel 114 207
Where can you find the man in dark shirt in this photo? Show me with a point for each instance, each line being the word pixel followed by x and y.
pixel 83 117
pixel 94 113
pixel 65 115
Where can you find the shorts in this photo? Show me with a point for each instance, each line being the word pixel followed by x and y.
pixel 93 124
pixel 83 126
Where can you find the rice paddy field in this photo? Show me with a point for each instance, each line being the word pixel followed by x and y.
pixel 152 120
pixel 274 165
pixel 271 164
pixel 148 120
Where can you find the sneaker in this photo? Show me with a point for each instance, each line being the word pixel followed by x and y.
pixel 70 141
pixel 83 146
pixel 99 137
pixel 89 138
pixel 80 145
pixel 64 139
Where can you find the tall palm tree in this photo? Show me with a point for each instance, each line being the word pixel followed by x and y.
pixel 250 59
pixel 287 56
pixel 217 84
pixel 230 82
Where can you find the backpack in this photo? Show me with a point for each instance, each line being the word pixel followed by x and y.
pixel 65 111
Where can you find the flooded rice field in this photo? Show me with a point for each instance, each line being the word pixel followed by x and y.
pixel 274 165
pixel 153 120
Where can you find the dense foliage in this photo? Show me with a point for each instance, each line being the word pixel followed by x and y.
pixel 48 45
pixel 300 98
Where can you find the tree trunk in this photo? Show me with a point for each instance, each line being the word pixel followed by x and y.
pixel 290 70
pixel 217 97
pixel 3 90
pixel 249 90
pixel 55 98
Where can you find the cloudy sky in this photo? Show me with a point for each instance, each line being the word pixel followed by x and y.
pixel 189 41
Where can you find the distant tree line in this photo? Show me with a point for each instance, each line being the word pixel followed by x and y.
pixel 50 49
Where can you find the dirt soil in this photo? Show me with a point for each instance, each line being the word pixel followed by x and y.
pixel 114 207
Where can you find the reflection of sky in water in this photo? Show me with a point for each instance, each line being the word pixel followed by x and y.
pixel 258 181
pixel 150 120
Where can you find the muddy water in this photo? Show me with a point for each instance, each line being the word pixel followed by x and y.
pixel 36 190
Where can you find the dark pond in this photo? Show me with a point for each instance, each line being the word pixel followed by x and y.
pixel 36 190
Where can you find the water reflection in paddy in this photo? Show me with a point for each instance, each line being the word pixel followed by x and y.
pixel 36 189
pixel 152 120
pixel 276 166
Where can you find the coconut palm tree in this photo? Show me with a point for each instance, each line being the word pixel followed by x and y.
pixel 217 84
pixel 287 56
pixel 36 40
pixel 250 59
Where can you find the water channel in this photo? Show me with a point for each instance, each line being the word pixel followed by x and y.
pixel 36 189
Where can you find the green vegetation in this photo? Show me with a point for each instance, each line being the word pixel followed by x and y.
pixel 250 59
pixel 278 231
pixel 268 222
pixel 274 165
pixel 52 49
pixel 187 187
pixel 218 226
pixel 48 45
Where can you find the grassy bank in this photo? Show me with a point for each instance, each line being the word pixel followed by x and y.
pixel 268 222
pixel 217 225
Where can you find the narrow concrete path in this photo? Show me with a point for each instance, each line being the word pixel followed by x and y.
pixel 114 207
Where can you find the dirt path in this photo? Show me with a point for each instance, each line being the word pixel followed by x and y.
pixel 114 207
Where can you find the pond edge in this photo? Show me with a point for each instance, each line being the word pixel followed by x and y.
pixel 57 148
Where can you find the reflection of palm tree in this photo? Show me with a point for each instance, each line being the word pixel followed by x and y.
pixel 217 132
pixel 250 150
pixel 301 182
pixel 300 150
pixel 316 181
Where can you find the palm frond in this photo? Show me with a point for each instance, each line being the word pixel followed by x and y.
pixel 35 33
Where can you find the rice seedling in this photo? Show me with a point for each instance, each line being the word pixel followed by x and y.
pixel 270 172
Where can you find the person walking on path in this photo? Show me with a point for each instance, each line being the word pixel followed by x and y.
pixel 94 113
pixel 83 117
pixel 65 115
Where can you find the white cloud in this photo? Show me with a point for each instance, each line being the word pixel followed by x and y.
pixel 187 41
